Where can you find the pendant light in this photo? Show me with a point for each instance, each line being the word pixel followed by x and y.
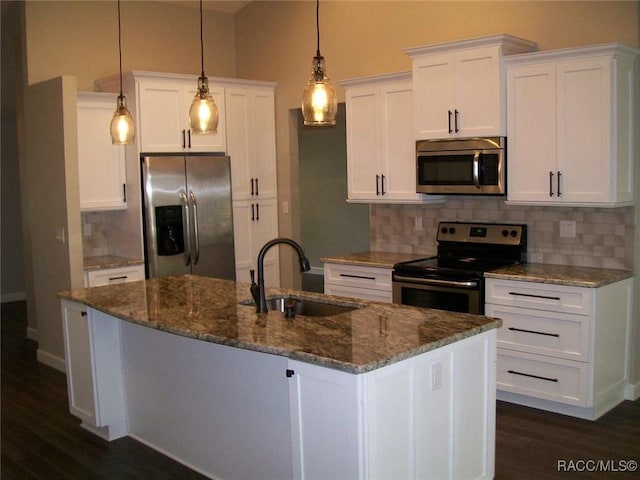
pixel 319 105
pixel 203 114
pixel 122 127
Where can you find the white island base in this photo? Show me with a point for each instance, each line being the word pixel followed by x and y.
pixel 231 413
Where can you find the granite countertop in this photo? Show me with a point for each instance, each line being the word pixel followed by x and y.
pixel 210 309
pixel 561 274
pixel 373 259
pixel 109 261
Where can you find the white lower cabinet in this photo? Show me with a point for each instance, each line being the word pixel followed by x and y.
pixel 562 348
pixel 110 276
pixel 368 283
pixel 254 224
pixel 430 416
pixel 94 370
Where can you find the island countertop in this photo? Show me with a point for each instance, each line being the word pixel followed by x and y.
pixel 214 310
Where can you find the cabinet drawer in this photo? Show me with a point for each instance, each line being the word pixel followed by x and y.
pixel 541 296
pixel 357 292
pixel 542 377
pixel 109 276
pixel 536 331
pixel 357 276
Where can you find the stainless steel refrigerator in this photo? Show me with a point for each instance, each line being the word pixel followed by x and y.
pixel 188 215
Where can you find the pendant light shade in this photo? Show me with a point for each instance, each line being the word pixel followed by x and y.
pixel 122 126
pixel 319 104
pixel 203 114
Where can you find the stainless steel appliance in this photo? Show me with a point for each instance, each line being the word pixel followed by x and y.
pixel 188 215
pixel 469 166
pixel 453 280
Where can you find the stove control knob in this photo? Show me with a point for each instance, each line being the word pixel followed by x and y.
pixel 444 230
pixel 452 230
pixel 514 234
pixel 505 233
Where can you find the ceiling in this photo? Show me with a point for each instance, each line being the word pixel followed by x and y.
pixel 225 6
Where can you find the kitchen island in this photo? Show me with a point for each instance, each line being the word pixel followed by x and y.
pixel 187 366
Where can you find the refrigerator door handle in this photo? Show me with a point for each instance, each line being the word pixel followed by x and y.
pixel 196 243
pixel 186 229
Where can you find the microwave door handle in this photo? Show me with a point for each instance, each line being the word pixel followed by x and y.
pixel 476 170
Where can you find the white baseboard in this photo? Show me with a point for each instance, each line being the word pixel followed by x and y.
pixel 50 360
pixel 13 297
pixel 632 392
pixel 32 334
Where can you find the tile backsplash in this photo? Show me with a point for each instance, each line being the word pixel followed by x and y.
pixel 604 236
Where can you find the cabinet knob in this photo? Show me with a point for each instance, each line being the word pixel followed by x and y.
pixel 289 373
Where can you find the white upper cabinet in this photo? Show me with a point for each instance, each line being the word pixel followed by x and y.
pixel 571 126
pixel 458 87
pixel 163 119
pixel 159 103
pixel 251 143
pixel 381 165
pixel 101 165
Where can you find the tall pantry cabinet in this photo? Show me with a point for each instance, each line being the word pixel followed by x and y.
pixel 159 103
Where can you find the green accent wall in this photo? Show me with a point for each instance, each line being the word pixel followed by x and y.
pixel 329 225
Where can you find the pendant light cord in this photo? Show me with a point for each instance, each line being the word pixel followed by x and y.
pixel 318 26
pixel 120 47
pixel 201 41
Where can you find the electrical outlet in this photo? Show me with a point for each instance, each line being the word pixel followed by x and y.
pixel 436 376
pixel 417 225
pixel 567 229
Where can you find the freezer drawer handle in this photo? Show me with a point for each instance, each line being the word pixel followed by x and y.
pixel 548 379
pixel 516 294
pixel 436 282
pixel 196 242
pixel 186 229
pixel 534 331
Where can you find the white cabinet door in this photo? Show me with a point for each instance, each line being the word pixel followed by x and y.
pixel 458 94
pixel 380 145
pixel 93 365
pixel 532 132
pixel 163 123
pixel 324 422
pixel 570 122
pixel 254 224
pixel 251 141
pixel 363 143
pixel 584 130
pixel 101 165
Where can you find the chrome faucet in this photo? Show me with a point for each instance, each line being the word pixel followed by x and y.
pixel 257 291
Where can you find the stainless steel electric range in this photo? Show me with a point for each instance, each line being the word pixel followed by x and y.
pixel 454 279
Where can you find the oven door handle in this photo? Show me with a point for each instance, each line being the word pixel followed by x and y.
pixel 437 282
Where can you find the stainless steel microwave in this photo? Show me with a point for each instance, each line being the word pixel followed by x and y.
pixel 469 166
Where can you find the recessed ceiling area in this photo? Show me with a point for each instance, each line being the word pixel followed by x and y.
pixel 225 6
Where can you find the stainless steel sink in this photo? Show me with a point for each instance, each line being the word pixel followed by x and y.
pixel 291 306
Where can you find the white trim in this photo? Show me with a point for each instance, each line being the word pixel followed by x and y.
pixel 33 334
pixel 632 391
pixel 51 360
pixel 13 297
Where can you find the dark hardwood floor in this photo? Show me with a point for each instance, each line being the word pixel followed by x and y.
pixel 41 440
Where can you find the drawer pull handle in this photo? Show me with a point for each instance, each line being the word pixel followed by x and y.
pixel 533 296
pixel 357 276
pixel 123 277
pixel 533 331
pixel 533 376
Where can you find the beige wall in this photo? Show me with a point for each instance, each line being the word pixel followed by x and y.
pixel 80 38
